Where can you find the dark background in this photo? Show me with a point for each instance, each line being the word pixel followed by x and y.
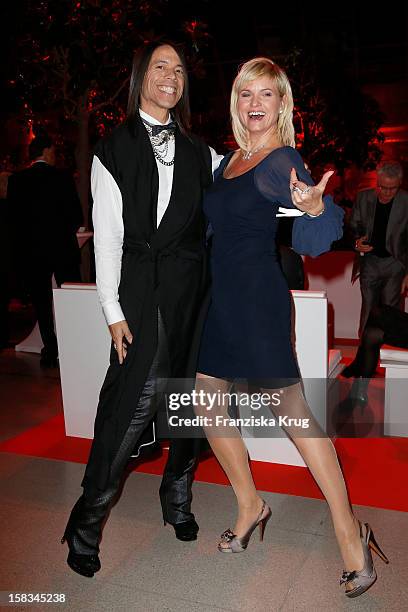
pixel 341 50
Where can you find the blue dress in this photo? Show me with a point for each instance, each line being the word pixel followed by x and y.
pixel 247 333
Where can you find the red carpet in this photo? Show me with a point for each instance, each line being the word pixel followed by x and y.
pixel 376 469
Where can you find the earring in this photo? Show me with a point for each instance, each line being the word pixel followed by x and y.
pixel 281 111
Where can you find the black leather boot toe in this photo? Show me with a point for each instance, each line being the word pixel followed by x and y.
pixel 86 565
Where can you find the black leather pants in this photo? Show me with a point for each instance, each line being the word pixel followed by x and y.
pixel 176 485
pixel 85 524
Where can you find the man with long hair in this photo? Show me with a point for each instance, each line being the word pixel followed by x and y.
pixel 148 179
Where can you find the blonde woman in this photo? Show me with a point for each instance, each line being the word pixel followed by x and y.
pixel 247 334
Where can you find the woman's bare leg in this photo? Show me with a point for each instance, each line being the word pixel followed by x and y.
pixel 231 452
pixel 320 457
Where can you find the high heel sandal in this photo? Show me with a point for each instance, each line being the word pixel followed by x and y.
pixel 362 579
pixel 236 544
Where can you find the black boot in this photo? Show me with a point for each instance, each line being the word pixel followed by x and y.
pixel 82 535
pixel 86 565
pixel 175 490
pixel 187 531
pixel 358 390
pixel 48 359
pixel 350 371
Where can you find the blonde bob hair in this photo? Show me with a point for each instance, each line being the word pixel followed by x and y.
pixel 254 69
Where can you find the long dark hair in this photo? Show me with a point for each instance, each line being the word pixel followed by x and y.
pixel 141 60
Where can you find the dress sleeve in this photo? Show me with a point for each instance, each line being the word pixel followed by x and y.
pixel 310 235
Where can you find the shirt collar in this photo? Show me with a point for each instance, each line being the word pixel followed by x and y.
pixel 152 120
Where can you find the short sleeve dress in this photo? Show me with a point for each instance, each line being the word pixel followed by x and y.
pixel 247 333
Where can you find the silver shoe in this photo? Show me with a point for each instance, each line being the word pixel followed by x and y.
pixel 362 579
pixel 236 544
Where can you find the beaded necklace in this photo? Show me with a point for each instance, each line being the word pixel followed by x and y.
pixel 160 140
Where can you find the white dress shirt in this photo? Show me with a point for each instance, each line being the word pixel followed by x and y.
pixel 165 172
pixel 108 224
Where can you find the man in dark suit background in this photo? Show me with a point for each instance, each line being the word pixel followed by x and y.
pixel 5 261
pixel 46 214
pixel 379 221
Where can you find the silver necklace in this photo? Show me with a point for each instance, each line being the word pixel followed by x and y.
pixel 248 154
pixel 158 141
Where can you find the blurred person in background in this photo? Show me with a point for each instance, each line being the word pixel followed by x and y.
pixel 5 260
pixel 385 325
pixel 379 221
pixel 45 213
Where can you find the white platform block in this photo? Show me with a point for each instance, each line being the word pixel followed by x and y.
pixel 83 346
pixel 395 362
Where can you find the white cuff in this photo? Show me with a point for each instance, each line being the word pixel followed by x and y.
pixel 289 212
pixel 113 313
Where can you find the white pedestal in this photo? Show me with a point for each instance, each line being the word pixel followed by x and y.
pixel 83 347
pixel 395 362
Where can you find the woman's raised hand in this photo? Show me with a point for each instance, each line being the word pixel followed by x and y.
pixel 308 198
